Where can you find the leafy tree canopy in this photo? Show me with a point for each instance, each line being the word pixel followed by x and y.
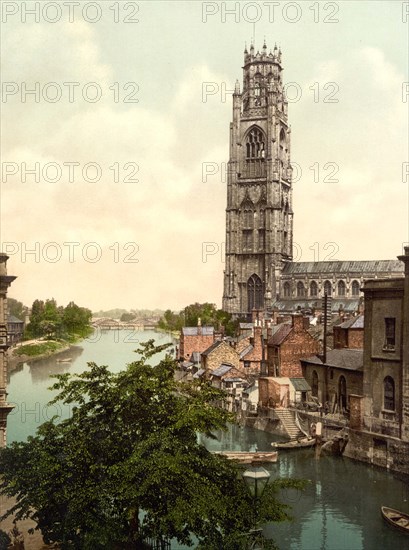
pixel 49 319
pixel 127 465
pixel 16 308
pixel 208 314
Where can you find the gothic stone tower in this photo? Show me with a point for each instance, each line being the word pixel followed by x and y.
pixel 259 216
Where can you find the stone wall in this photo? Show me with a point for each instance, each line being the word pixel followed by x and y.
pixel 223 353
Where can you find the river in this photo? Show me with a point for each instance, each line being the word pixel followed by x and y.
pixel 339 510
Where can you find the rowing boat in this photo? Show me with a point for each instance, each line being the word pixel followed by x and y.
pixel 397 519
pixel 294 444
pixel 249 457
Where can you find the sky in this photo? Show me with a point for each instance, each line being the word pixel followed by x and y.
pixel 114 139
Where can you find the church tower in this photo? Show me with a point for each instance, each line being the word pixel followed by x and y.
pixel 259 215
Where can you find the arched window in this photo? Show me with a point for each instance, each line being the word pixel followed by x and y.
pixel 313 289
pixel 355 288
pixel 341 288
pixel 254 293
pixel 255 144
pixel 328 288
pixel 314 385
pixel 248 219
pixel 300 289
pixel 287 290
pixel 389 394
pixel 342 392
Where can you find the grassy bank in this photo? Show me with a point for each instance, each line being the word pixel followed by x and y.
pixel 41 348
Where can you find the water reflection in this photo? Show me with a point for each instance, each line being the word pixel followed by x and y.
pixel 340 508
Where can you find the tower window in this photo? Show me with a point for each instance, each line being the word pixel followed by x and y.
pixel 261 239
pixel 248 219
pixel 254 293
pixel 390 333
pixel 247 240
pixel 389 394
pixel 255 144
pixel 313 289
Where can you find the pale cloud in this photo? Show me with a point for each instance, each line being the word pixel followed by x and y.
pixel 171 213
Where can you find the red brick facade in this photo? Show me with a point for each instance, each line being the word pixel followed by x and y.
pixel 195 339
pixel 285 351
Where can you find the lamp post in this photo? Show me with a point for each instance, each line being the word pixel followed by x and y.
pixel 256 479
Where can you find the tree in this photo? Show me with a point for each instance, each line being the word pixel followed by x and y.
pixel 126 317
pixel 127 464
pixel 16 308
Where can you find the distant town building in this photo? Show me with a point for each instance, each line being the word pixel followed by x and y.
pixel 5 407
pixel 15 330
pixel 259 268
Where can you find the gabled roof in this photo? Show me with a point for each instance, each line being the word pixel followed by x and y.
pixel 300 384
pixel 199 373
pixel 246 326
pixel 195 331
pixel 14 319
pixel 280 334
pixel 348 267
pixel 211 348
pixel 354 322
pixel 350 359
pixel 246 351
pixel 223 369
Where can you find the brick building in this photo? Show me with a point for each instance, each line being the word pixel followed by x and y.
pixel 350 334
pixel 216 354
pixel 194 339
pixel 287 345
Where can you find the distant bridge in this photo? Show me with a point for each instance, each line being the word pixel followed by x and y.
pixel 113 324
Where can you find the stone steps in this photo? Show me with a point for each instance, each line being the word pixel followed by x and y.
pixel 288 421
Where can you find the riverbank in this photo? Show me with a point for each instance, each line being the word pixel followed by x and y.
pixel 14 359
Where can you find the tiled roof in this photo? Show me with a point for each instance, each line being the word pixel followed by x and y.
pixel 199 373
pixel 246 350
pixel 212 347
pixel 350 359
pixel 280 334
pixel 222 370
pixel 300 384
pixel 194 331
pixel 354 322
pixel 13 319
pixel 246 326
pixel 339 267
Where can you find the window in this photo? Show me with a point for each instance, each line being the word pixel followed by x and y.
pixel 287 290
pixel 254 293
pixel 313 289
pixel 247 240
pixel 248 219
pixel 389 394
pixel 314 385
pixel 328 288
pixel 255 144
pixel 390 327
pixel 247 364
pixel 261 239
pixel 300 289
pixel 341 288
pixel 355 288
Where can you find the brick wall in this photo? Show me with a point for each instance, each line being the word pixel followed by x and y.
pixel 223 353
pixel 296 346
pixel 189 344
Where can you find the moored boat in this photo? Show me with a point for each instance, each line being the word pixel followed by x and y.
pixel 65 360
pixel 248 457
pixel 397 519
pixel 294 444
